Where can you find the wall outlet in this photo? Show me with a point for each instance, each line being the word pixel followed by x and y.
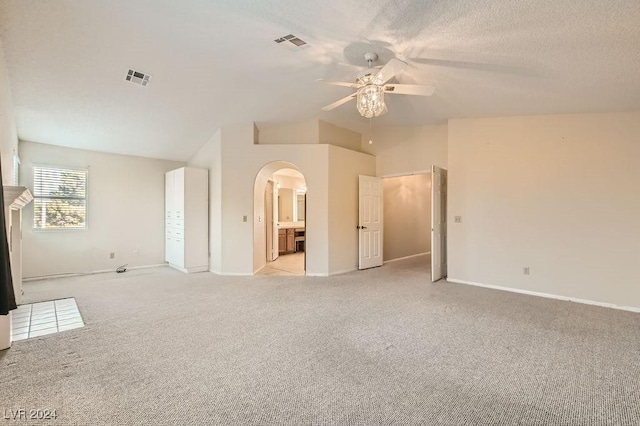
pixel 244 218
pixel 136 253
pixel 112 255
pixel 259 218
pixel 525 270
pixel 457 219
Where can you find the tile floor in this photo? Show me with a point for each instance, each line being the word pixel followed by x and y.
pixel 39 319
pixel 285 264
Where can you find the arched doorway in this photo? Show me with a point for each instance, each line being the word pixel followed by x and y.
pixel 280 204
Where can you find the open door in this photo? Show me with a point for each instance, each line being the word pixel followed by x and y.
pixel 274 221
pixel 438 223
pixel 370 222
pixel 271 220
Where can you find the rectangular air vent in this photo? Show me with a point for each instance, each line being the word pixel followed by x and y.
pixel 292 42
pixel 138 77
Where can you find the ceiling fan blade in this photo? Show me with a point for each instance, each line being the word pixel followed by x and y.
pixel 393 67
pixel 336 104
pixel 409 89
pixel 339 83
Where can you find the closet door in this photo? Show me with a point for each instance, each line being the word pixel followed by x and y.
pixel 169 209
pixel 438 223
pixel 178 192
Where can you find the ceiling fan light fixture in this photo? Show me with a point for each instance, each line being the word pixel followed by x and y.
pixel 370 101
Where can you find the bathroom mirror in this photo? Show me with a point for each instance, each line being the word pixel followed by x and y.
pixel 299 213
pixel 285 205
pixel 291 205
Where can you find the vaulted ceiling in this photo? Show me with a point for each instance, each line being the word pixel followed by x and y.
pixel 215 63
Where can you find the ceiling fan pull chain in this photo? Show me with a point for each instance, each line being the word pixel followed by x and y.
pixel 370 131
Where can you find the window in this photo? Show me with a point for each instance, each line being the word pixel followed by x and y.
pixel 59 198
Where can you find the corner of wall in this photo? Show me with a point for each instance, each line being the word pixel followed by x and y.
pixel 8 132
pixel 329 133
pixel 345 166
pixel 256 134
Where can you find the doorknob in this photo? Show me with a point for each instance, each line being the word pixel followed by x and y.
pixel 361 227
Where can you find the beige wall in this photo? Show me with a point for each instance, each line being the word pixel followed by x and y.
pixel 244 170
pixel 125 213
pixel 401 150
pixel 331 134
pixel 344 167
pixel 8 134
pixel 8 145
pixel 310 132
pixel 289 181
pixel 241 164
pixel 557 194
pixel 209 157
pixel 305 132
pixel 407 216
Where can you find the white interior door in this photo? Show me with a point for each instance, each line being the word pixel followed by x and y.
pixel 268 219
pixel 370 225
pixel 438 223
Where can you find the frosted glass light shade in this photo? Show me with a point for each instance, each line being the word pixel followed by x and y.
pixel 370 101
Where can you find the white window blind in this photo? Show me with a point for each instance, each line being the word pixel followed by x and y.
pixel 60 198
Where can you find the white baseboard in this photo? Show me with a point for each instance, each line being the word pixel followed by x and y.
pixel 78 274
pixel 190 270
pixel 547 295
pixel 316 274
pixel 407 257
pixel 144 267
pixel 342 272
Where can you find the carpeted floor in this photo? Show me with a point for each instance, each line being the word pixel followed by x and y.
pixel 376 347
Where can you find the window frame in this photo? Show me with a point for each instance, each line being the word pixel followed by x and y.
pixel 86 197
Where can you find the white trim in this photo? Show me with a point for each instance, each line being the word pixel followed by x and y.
pixel 547 295
pixel 190 270
pixel 417 172
pixel 317 274
pixel 234 274
pixel 78 274
pixel 342 272
pixel 407 257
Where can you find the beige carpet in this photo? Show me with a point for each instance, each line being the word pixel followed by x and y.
pixel 376 347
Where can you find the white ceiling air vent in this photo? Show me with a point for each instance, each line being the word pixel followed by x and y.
pixel 137 77
pixel 292 42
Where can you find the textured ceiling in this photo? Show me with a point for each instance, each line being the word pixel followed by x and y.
pixel 215 63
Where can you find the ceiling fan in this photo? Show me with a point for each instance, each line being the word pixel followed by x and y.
pixel 371 86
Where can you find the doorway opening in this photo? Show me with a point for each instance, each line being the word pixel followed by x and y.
pixel 284 213
pixel 407 213
pixel 415 219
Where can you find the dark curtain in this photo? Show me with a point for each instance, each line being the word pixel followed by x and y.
pixel 7 297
